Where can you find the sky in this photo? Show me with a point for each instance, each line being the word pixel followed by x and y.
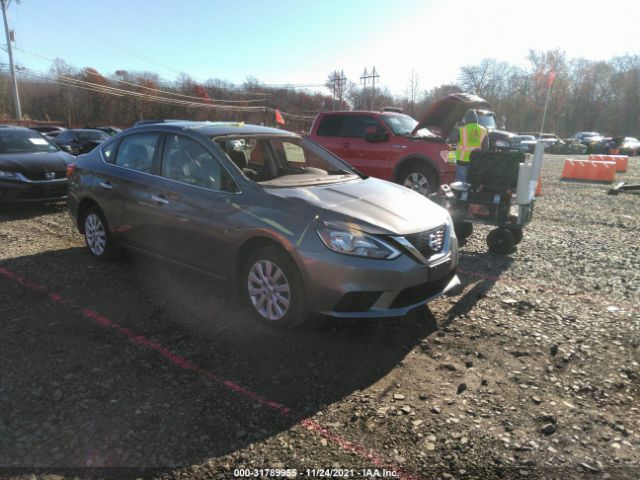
pixel 300 42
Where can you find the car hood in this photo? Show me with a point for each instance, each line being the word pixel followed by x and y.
pixel 371 205
pixel 443 115
pixel 37 162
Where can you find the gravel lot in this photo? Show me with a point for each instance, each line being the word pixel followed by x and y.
pixel 137 369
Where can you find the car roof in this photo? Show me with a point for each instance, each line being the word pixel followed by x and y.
pixel 213 129
pixel 4 128
pixel 85 130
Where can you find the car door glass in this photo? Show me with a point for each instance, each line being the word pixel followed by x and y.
pixel 188 162
pixel 331 126
pixel 137 151
pixel 356 126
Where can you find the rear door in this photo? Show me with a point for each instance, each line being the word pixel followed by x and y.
pixel 329 131
pixel 194 203
pixel 372 158
pixel 126 187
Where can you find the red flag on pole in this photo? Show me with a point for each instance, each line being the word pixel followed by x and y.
pixel 279 119
pixel 552 77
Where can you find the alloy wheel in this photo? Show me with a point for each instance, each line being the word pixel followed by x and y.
pixel 95 234
pixel 269 290
pixel 417 182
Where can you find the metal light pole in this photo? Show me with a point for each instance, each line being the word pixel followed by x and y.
pixel 16 97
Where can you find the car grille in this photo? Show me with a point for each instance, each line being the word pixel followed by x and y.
pixel 40 176
pixel 430 242
pixel 418 293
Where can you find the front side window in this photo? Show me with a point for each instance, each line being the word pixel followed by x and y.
pixel 137 151
pixel 186 161
pixel 356 125
pixel 24 141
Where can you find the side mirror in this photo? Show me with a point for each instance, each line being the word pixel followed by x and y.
pixel 373 134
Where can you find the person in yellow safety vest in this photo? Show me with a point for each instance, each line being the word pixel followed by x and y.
pixel 471 136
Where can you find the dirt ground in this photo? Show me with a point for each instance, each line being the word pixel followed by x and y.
pixel 138 369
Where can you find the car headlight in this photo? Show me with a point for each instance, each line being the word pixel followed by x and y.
pixel 4 175
pixel 348 241
pixel 450 226
pixel 502 143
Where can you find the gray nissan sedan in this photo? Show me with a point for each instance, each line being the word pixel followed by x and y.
pixel 295 227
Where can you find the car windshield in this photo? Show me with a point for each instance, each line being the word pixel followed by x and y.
pixel 284 161
pixel 487 121
pixel 24 141
pixel 90 136
pixel 400 124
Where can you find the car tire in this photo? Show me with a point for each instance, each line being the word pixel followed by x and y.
pixel 97 236
pixel 419 178
pixel 273 288
pixel 501 240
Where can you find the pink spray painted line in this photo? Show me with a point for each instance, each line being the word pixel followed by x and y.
pixel 186 364
pixel 590 298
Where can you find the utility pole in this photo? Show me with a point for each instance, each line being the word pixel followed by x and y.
pixel 363 80
pixel 365 76
pixel 16 97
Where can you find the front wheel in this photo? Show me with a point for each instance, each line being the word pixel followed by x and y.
pixel 273 287
pixel 419 178
pixel 97 235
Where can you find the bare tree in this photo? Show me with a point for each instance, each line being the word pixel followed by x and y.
pixel 411 93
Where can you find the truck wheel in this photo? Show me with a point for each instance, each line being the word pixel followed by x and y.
pixel 501 240
pixel 419 178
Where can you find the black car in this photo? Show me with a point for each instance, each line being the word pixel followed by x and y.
pixel 111 131
pixel 31 167
pixel 50 131
pixel 80 140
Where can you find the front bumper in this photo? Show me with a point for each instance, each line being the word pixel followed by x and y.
pixel 25 190
pixel 353 287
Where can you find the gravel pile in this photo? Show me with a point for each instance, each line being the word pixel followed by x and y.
pixel 140 370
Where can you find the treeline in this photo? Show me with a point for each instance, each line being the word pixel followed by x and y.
pixel 585 95
pixel 79 97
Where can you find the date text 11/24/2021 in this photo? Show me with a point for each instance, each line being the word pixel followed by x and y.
pixel 314 473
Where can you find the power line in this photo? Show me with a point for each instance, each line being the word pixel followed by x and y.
pixel 146 88
pixel 84 85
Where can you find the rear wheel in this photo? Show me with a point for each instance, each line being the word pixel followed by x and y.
pixel 501 240
pixel 419 178
pixel 273 287
pixel 97 235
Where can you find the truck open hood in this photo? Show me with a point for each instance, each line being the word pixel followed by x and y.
pixel 443 115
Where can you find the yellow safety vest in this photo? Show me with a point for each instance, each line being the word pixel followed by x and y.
pixel 471 138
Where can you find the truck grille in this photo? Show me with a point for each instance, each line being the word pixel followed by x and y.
pixel 429 242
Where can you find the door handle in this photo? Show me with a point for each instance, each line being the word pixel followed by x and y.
pixel 159 199
pixel 106 185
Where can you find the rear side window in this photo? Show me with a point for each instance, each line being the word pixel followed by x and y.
pixel 137 151
pixel 186 161
pixel 356 125
pixel 330 126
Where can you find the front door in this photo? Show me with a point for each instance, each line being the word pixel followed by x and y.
pixel 194 201
pixel 371 158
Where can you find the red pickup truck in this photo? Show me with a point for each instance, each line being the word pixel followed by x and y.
pixel 395 147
